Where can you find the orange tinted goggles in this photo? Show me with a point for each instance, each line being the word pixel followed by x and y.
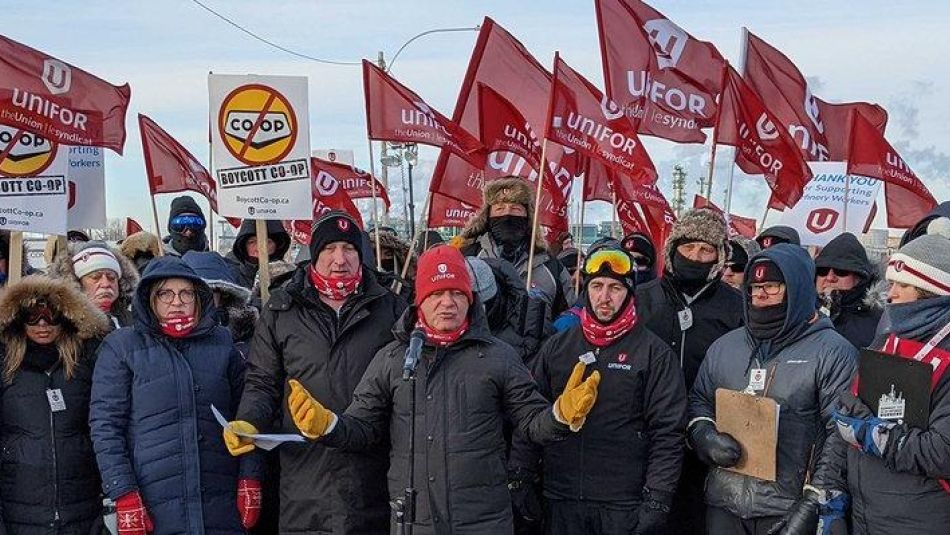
pixel 618 262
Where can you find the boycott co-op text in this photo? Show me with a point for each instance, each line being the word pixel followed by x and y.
pixel 15 187
pixel 253 176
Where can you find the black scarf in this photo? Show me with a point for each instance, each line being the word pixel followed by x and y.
pixel 41 357
pixel 510 233
pixel 198 242
pixel 690 276
pixel 766 322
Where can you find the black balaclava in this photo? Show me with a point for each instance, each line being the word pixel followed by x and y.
pixel 641 244
pixel 690 276
pixel 509 232
pixel 766 322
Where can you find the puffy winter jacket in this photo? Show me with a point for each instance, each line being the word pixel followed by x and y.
pixel 463 393
pixel 152 425
pixel 809 364
pixel 246 265
pixel 855 312
pixel 633 437
pixel 299 337
pixel 48 477
pixel 513 316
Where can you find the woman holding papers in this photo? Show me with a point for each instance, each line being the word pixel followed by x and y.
pixel 784 354
pixel 897 473
pixel 161 454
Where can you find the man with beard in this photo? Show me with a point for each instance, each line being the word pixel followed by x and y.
pixel 186 227
pixel 618 474
pixel 848 289
pixel 502 229
pixel 689 308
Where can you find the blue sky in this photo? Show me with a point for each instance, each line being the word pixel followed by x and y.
pixel 896 54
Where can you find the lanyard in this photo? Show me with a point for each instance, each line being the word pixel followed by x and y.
pixel 926 349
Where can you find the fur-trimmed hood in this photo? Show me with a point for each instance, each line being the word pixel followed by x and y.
pixel 87 320
pixel 509 189
pixel 62 268
pixel 700 224
pixel 141 242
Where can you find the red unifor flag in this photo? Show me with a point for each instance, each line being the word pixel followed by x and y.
pixel 48 97
pixel 355 181
pixel 745 123
pixel 445 211
pixel 820 129
pixel 395 113
pixel 738 225
pixel 502 128
pixel 908 199
pixel 500 62
pixel 171 168
pixel 582 118
pixel 657 72
pixel 131 226
pixel 329 194
pixel 657 216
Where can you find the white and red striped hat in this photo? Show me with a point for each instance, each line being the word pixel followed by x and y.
pixel 923 263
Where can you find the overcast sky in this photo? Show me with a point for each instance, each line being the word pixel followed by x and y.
pixel 896 54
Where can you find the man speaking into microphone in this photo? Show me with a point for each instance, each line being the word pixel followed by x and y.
pixel 467 382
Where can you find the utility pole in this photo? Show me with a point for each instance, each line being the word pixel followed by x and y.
pixel 384 175
pixel 679 190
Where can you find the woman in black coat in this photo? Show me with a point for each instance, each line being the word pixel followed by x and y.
pixel 49 482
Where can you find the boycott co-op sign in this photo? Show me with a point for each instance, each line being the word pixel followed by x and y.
pixel 261 146
pixel 33 186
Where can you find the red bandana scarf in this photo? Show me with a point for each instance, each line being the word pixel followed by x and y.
pixel 178 327
pixel 602 335
pixel 336 288
pixel 441 339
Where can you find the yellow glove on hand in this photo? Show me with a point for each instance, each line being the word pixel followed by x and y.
pixel 578 398
pixel 311 418
pixel 238 445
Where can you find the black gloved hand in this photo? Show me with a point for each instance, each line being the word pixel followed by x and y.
pixel 525 499
pixel 653 512
pixel 712 447
pixel 801 519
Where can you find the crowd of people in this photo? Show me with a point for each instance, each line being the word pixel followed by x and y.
pixel 532 410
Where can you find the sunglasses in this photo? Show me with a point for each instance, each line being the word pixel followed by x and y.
pixel 185 222
pixel 42 313
pixel 824 271
pixel 735 268
pixel 617 262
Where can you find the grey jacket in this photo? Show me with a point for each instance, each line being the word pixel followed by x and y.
pixel 463 393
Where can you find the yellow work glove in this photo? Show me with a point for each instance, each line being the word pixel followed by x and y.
pixel 238 445
pixel 311 418
pixel 578 398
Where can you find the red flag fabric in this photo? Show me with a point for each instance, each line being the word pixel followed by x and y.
pixel 657 216
pixel 657 72
pixel 502 128
pixel 820 129
pixel 131 226
pixel 582 118
pixel 908 199
pixel 745 123
pixel 738 225
pixel 53 99
pixel 395 113
pixel 445 211
pixel 355 181
pixel 329 194
pixel 171 168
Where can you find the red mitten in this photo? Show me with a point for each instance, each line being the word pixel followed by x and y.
pixel 131 516
pixel 249 502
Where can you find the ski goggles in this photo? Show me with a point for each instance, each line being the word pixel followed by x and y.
pixel 616 261
pixel 41 312
pixel 183 222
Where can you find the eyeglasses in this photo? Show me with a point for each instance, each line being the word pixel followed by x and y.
pixel 736 268
pixel 769 288
pixel 824 271
pixel 168 296
pixel 618 262
pixel 181 223
pixel 42 313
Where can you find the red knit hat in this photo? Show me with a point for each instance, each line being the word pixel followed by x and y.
pixel 442 268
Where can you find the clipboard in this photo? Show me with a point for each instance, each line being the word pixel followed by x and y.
pixel 895 388
pixel 753 422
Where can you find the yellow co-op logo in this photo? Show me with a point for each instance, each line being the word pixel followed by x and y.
pixel 24 153
pixel 258 124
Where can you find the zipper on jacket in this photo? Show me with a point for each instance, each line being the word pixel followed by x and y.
pixel 52 434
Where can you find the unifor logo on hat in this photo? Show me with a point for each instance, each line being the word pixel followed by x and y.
pixel 343 224
pixel 759 273
pixel 442 268
pixel 767 242
pixel 898 265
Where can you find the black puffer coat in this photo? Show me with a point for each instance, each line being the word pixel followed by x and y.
pixel 49 482
pixel 514 317
pixel 855 312
pixel 463 394
pixel 299 337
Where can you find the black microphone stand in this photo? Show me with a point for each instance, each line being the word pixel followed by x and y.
pixel 404 507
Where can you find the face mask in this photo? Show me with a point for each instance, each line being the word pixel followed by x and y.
pixel 178 327
pixel 688 270
pixel 182 244
pixel 767 322
pixel 643 277
pixel 389 265
pixel 509 230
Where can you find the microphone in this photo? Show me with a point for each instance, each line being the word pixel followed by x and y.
pixel 416 340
